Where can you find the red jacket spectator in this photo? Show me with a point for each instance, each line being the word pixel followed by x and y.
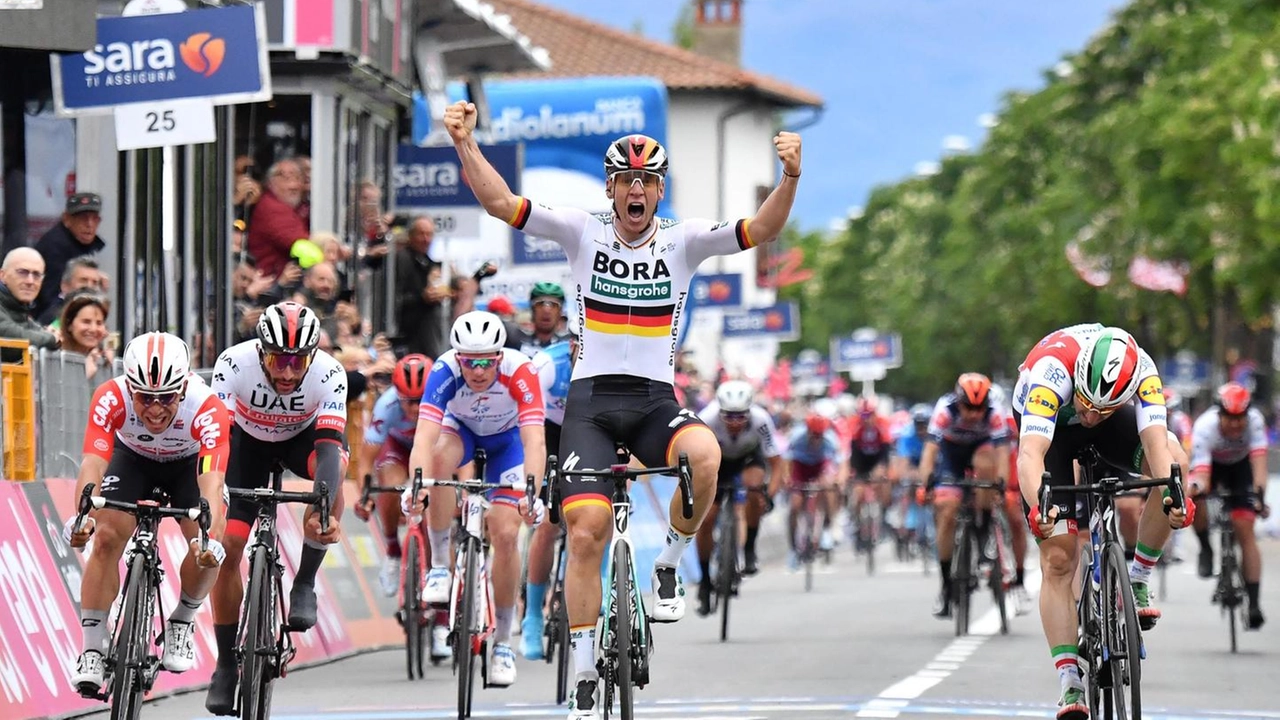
pixel 276 224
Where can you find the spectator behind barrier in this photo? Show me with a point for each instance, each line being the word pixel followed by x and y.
pixel 422 295
pixel 84 331
pixel 275 224
pixel 320 293
pixel 20 277
pixel 82 273
pixel 75 236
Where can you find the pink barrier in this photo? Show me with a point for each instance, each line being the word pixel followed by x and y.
pixel 39 589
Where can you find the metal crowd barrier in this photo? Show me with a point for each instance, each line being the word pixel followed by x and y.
pixel 65 392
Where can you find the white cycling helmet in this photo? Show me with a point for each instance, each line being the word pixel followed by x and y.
pixel 1106 372
pixel 847 404
pixel 478 332
pixel 735 396
pixel 157 362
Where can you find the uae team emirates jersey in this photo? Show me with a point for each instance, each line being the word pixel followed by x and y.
pixel 267 415
pixel 630 297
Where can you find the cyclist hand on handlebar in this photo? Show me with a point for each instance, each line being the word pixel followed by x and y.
pixel 533 514
pixel 212 556
pixel 78 539
pixel 1042 526
pixel 311 528
pixel 1179 517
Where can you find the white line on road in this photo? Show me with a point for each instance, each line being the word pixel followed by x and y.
pixel 893 699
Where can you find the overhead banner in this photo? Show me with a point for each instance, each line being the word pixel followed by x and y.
pixel 716 290
pixel 219 54
pixel 565 126
pixel 780 321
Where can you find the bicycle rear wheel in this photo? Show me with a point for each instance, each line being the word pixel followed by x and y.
pixel 131 644
pixel 259 643
pixel 870 526
pixel 622 610
pixel 464 631
pixel 727 552
pixel 411 608
pixel 1124 699
pixel 961 567
pixel 1229 592
pixel 999 536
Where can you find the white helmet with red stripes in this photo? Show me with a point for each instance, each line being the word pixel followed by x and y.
pixel 157 362
pixel 289 328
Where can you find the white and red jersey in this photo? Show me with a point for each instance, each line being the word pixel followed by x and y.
pixel 514 399
pixel 200 426
pixel 238 378
pixel 1208 445
pixel 869 435
pixel 948 425
pixel 1043 394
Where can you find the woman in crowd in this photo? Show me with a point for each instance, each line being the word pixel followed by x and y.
pixel 84 330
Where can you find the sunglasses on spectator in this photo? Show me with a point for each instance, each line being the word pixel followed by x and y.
pixel 735 416
pixel 146 400
pixel 1090 407
pixel 279 362
pixel 646 178
pixel 477 363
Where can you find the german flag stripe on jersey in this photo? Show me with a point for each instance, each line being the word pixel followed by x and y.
pixel 642 320
pixel 521 215
pixel 743 231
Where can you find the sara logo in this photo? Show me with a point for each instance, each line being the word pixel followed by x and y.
pixel 1151 391
pixel 154 60
pixel 1042 402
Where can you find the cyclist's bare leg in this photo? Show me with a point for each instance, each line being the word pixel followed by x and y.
pixel 541 551
pixel 1017 530
pixel 1250 559
pixel 590 525
pixel 101 583
pixel 196 582
pixel 503 523
pixel 796 502
pixel 228 591
pixel 1153 527
pixel 752 479
pixel 1059 558
pixel 1129 511
pixel 388 504
pixel 700 444
pixel 946 502
pixel 443 502
pixel 706 536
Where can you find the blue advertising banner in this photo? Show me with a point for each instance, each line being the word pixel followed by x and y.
pixel 432 176
pixel 218 54
pixel 848 352
pixel 716 290
pixel 565 126
pixel 781 321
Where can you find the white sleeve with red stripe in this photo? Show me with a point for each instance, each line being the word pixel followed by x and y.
pixel 940 420
pixel 1257 433
pixel 527 392
pixel 442 386
pixel 106 416
pixel 332 412
pixel 1204 435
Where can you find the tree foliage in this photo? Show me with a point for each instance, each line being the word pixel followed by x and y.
pixel 1159 138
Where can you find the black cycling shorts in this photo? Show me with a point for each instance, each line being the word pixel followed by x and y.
pixel 1234 482
pixel 863 463
pixel 730 469
pixel 131 477
pixel 643 414
pixel 1116 440
pixel 252 460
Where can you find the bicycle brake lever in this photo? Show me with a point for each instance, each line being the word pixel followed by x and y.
pixel 204 523
pixel 686 487
pixel 1175 489
pixel 323 489
pixel 1046 493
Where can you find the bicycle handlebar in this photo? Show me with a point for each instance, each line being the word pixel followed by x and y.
pixel 269 496
pixel 620 473
pixel 952 481
pixel 199 513
pixel 1115 486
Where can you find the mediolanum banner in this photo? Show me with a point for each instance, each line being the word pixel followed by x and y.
pixel 219 54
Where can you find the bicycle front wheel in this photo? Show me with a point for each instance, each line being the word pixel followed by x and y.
pixel 464 630
pixel 1124 638
pixel 131 644
pixel 622 627
pixel 961 567
pixel 411 610
pixel 998 526
pixel 728 562
pixel 257 670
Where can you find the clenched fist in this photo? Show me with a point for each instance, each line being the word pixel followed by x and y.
pixel 788 147
pixel 460 120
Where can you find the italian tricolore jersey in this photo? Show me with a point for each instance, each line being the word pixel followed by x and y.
pixel 630 298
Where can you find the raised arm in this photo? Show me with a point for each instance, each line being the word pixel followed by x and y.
pixel 772 215
pixel 487 184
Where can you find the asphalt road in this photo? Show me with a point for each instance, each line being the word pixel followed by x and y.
pixel 856 646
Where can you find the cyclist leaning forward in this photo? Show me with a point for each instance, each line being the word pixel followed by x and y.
pixel 747 440
pixel 631 274
pixel 1116 405
pixel 155 427
pixel 288 401
pixel 965 433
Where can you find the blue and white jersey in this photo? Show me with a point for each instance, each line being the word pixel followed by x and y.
pixel 554 366
pixel 390 422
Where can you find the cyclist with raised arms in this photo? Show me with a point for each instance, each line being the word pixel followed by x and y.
pixel 631 274
pixel 748 440
pixel 386 452
pixel 154 427
pixel 1229 452
pixel 482 395
pixel 1079 386
pixel 288 400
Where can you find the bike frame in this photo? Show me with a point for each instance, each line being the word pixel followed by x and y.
pixel 471 530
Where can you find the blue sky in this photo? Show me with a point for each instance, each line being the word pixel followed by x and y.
pixel 898 76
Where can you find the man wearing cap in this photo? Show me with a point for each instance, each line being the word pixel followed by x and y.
pixel 75 236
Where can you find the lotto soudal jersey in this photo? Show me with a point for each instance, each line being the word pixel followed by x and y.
pixel 630 297
pixel 759 432
pixel 947 424
pixel 1209 445
pixel 200 426
pixel 238 378
pixel 513 399
pixel 389 421
pixel 1043 394
pixel 554 368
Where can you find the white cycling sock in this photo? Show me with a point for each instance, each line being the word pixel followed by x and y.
pixel 671 552
pixel 439 540
pixel 582 640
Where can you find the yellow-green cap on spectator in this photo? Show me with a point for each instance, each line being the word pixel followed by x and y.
pixel 306 253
